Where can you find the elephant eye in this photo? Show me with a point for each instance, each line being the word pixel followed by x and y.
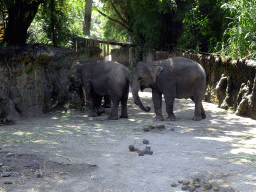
pixel 139 78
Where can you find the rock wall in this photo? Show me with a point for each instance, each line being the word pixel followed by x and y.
pixel 34 78
pixel 121 56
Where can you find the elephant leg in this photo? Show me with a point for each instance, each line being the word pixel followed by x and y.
pixel 81 95
pixel 89 99
pixel 157 101
pixel 114 110
pixel 124 99
pixel 97 103
pixel 199 110
pixel 169 101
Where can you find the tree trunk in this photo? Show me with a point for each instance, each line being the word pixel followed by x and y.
pixel 87 17
pixel 20 16
pixel 53 23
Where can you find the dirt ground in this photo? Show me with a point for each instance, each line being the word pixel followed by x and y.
pixel 72 152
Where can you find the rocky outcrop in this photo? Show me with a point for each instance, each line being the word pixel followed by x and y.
pixel 36 76
pixel 247 100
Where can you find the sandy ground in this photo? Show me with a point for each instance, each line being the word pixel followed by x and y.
pixel 72 152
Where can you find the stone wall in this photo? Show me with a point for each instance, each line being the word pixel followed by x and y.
pixel 121 56
pixel 34 78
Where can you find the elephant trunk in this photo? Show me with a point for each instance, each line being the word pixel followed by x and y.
pixel 137 101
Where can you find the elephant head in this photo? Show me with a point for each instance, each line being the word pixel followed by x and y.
pixel 74 77
pixel 144 77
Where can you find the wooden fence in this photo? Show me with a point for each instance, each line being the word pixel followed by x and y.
pixel 79 42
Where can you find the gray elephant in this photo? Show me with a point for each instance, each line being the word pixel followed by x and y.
pixel 103 78
pixel 176 77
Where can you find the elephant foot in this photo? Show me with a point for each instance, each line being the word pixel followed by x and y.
pixel 197 118
pixel 159 118
pixel 203 116
pixel 112 118
pixel 93 113
pixel 100 110
pixel 171 118
pixel 123 116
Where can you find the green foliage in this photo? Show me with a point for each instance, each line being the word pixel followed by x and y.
pixel 56 23
pixel 203 23
pixel 143 20
pixel 239 38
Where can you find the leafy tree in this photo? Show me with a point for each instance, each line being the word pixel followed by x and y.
pixel 142 21
pixel 203 26
pixel 20 15
pixel 239 37
pixel 56 22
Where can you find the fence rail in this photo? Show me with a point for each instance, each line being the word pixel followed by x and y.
pixel 79 42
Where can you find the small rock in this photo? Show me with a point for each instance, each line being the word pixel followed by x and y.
pixel 39 174
pixel 10 155
pixel 216 188
pixel 180 181
pixel 186 182
pixel 1 164
pixel 184 187
pixel 161 127
pixel 197 185
pixel 191 187
pixel 196 180
pixel 172 129
pixel 145 141
pixel 206 187
pixel 146 129
pixel 131 147
pixel 174 184
pixel 7 182
pixel 141 153
pixel 6 174
pixel 147 151
pixel 151 127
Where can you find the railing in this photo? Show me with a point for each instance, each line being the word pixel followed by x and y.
pixel 79 42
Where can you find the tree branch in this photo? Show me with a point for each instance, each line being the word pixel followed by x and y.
pixel 126 15
pixel 119 15
pixel 119 22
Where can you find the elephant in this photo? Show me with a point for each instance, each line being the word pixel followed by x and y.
pixel 103 78
pixel 175 77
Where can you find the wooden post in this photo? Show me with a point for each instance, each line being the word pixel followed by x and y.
pixel 108 47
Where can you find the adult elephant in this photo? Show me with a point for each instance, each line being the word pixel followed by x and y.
pixel 103 78
pixel 176 77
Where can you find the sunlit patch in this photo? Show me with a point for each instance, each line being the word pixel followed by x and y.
pixel 32 190
pixel 40 141
pixel 99 130
pixel 64 131
pixel 211 158
pixel 97 136
pixel 22 133
pixel 221 138
pixel 243 150
pixel 58 126
pixel 55 118
pixel 106 155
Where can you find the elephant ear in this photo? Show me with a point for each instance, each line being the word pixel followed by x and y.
pixel 155 70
